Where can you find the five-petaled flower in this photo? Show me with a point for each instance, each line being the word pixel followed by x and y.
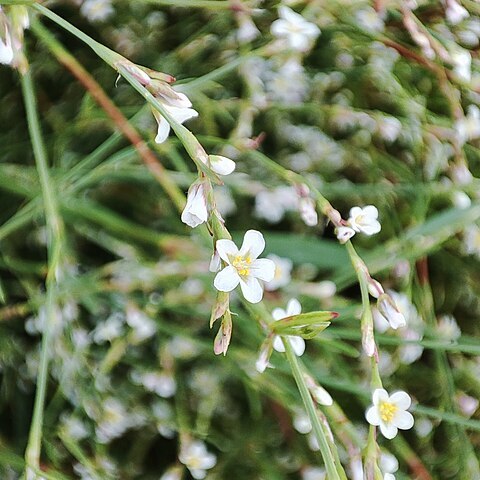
pixel 195 456
pixel 243 266
pixel 364 220
pixel 297 343
pixel 389 412
pixel 298 33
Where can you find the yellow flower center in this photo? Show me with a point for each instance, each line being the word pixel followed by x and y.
pixel 242 264
pixel 387 411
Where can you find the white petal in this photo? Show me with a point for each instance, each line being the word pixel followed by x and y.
pixel 264 269
pixel 181 114
pixel 197 473
pixel 298 345
pixel 372 416
pixel 380 395
pixel 226 248
pixel 221 165
pixel 401 399
pixel 355 212
pixel 6 52
pixel 163 127
pixel 182 100
pixel 370 228
pixel 293 307
pixel 403 420
pixel 227 279
pixel 251 289
pixel 279 28
pixel 370 211
pixel 298 41
pixel 279 313
pixel 278 344
pixel 253 244
pixel 195 211
pixel 388 430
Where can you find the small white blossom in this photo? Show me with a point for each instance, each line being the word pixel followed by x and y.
pixel 247 30
pixel 462 64
pixel 283 269
pixel 272 205
pixel 6 50
pixel 455 13
pixel 389 412
pixel 143 326
pixel 297 343
pixel 468 127
pixel 448 327
pixel 388 463
pixel 389 310
pixel 370 20
pixel 306 207
pixel 97 10
pixel 471 240
pixel 180 114
pixel 298 33
pixel 195 211
pixel 314 473
pixel 364 220
pixel 195 456
pixel 468 405
pixel 244 267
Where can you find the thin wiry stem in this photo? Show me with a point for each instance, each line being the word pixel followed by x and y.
pixel 55 233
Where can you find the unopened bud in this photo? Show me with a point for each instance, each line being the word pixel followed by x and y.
pixel 307 211
pixel 375 288
pixel 265 352
pixel 344 234
pixel 222 340
pixel 221 306
pixel 390 311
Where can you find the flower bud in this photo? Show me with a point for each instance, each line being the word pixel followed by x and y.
pixel 390 311
pixel 195 211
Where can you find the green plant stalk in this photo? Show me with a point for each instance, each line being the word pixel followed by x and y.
pixel 109 56
pixel 328 458
pixel 55 230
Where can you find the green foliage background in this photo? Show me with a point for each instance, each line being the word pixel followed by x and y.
pixel 125 251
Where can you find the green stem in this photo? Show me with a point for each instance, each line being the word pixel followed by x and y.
pixel 55 229
pixel 109 56
pixel 327 455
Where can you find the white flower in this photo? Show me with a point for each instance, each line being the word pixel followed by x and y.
pixel 298 33
pixel 180 114
pixel 195 456
pixel 283 268
pixel 306 207
pixel 314 473
pixel 455 13
pixel 389 310
pixel 388 463
pixel 389 412
pixel 247 30
pixel 6 50
pixel 369 19
pixel 468 405
pixel 448 327
pixel 471 240
pixel 389 476
pixel 364 220
pixel 195 211
pixel 97 10
pixel 272 205
pixel 297 343
pixel 344 234
pixel 462 64
pixel 244 267
pixel 468 127
pixel 389 128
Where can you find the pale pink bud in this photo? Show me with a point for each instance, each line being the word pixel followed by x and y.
pixel 195 211
pixel 375 288
pixel 344 234
pixel 307 211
